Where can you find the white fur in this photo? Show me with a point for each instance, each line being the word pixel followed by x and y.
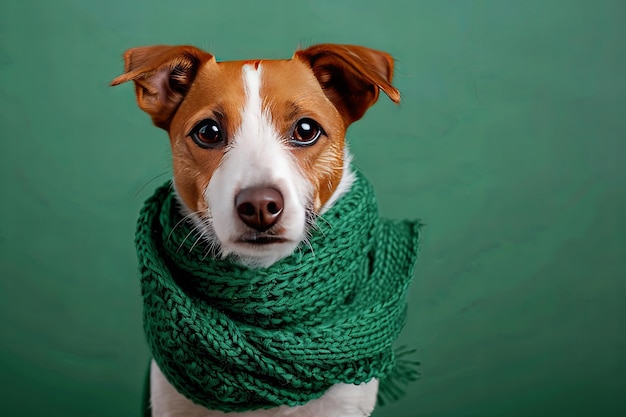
pixel 258 156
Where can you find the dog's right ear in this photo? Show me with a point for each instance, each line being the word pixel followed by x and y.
pixel 351 76
pixel 162 76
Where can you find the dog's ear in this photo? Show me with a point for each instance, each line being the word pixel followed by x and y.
pixel 162 76
pixel 351 76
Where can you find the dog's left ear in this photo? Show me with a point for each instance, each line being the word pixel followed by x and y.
pixel 351 76
pixel 162 76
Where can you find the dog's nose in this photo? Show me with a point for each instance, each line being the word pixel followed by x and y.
pixel 259 207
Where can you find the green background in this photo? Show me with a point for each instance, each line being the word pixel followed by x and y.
pixel 509 143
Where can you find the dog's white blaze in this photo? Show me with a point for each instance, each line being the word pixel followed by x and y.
pixel 257 156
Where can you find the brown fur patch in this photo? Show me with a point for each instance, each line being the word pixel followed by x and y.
pixel 217 93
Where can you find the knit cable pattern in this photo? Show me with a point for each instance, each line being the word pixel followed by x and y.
pixel 233 338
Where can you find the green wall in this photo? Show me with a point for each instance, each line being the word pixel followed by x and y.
pixel 509 143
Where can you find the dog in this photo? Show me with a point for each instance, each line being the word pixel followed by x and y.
pixel 259 150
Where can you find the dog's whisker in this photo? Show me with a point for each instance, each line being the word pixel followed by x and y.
pixel 205 231
pixel 200 236
pixel 184 240
pixel 150 182
pixel 315 226
pixel 307 242
pixel 197 229
pixel 183 220
pixel 321 217
pixel 207 252
pixel 211 241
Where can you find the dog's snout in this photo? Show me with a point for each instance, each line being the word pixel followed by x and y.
pixel 259 207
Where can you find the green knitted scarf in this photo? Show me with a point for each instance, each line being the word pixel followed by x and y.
pixel 233 338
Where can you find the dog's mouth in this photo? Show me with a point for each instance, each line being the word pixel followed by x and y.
pixel 262 239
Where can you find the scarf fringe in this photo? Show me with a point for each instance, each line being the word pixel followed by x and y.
pixel 393 387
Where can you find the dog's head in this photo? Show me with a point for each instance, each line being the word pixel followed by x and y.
pixel 258 146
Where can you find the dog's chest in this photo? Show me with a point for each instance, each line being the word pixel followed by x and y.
pixel 341 400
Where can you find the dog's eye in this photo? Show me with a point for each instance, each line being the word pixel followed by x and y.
pixel 306 133
pixel 207 134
